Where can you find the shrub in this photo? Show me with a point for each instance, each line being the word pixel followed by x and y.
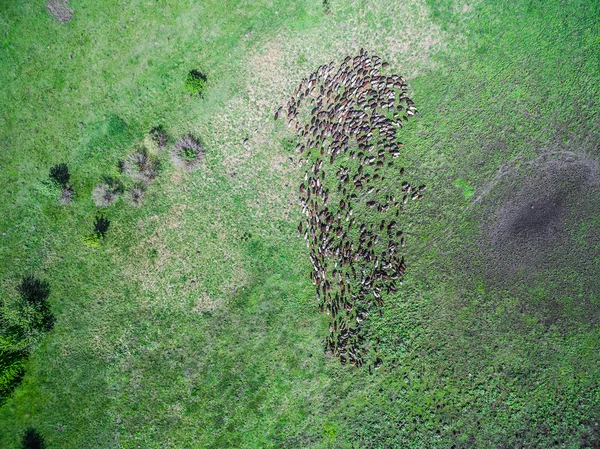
pixel 66 195
pixel 135 194
pixel 141 166
pixel 93 240
pixel 107 193
pixel 195 82
pixel 188 153
pixel 32 440
pixel 159 136
pixel 101 225
pixel 60 174
pixel 47 188
pixel 34 290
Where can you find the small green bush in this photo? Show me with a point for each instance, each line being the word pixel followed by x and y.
pixel 47 188
pixel 101 225
pixel 195 82
pixel 93 240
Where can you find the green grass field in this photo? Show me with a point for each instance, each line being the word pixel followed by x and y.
pixel 194 324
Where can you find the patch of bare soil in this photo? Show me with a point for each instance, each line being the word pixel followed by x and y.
pixel 59 10
pixel 536 211
pixel 537 234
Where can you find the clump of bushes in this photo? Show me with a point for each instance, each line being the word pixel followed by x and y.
pixel 107 193
pixel 188 153
pixel 195 82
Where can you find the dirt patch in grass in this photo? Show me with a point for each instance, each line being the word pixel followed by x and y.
pixel 535 211
pixel 59 10
pixel 538 237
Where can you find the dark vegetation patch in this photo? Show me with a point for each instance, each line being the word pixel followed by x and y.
pixel 101 225
pixel 59 10
pixel 32 440
pixel 34 290
pixel 60 174
pixel 24 320
pixel 346 118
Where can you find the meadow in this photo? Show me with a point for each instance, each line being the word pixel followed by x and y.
pixel 193 322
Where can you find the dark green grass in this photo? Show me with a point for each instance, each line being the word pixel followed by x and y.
pixel 129 364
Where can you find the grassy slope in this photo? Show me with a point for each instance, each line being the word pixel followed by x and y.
pixel 243 366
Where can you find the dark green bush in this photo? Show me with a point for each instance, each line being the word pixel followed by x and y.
pixel 60 174
pixel 24 320
pixel 195 82
pixel 32 440
pixel 101 225
pixel 34 290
